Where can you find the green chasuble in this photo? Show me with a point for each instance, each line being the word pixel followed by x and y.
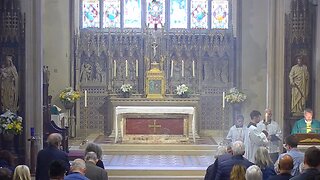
pixel 301 127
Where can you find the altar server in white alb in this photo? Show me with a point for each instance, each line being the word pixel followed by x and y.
pixel 274 134
pixel 254 137
pixel 237 131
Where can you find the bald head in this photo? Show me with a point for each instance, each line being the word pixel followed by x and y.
pixel 54 139
pixel 286 163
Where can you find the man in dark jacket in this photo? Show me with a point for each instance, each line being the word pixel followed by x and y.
pixel 311 165
pixel 285 167
pixel 94 172
pixel 225 167
pixel 46 156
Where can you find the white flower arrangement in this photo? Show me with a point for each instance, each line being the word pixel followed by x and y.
pixel 182 89
pixel 126 88
pixel 235 96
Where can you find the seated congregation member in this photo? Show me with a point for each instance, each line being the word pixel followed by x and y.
pixel 311 165
pixel 264 162
pixel 291 143
pixel 7 160
pixel 238 172
pixel 77 170
pixel 253 173
pixel 306 124
pixel 57 170
pixel 285 166
pixel 47 155
pixel 225 167
pixel 5 174
pixel 219 158
pixel 254 138
pixel 22 172
pixel 274 134
pixel 93 172
pixel 237 131
pixel 92 147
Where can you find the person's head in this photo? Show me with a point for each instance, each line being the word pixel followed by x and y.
pixel 268 113
pixel 255 116
pixel 308 114
pixel 94 148
pixel 54 139
pixel 253 173
pixel 238 172
pixel 312 157
pixel 285 163
pixel 22 172
pixel 91 156
pixel 220 151
pixel 262 157
pixel 78 165
pixel 238 148
pixel 5 174
pixel 291 141
pixel 8 157
pixel 239 120
pixel 57 170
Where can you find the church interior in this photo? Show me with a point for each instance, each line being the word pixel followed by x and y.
pixel 156 83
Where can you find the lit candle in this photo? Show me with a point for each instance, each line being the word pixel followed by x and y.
pixel 266 117
pixel 137 68
pixel 182 68
pixel 223 100
pixel 114 68
pixel 85 99
pixel 126 68
pixel 171 72
pixel 193 73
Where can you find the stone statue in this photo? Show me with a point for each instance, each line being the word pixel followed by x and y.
pixel 9 86
pixel 299 81
pixel 98 72
pixel 86 71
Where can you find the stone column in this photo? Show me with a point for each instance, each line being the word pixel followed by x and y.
pixel 33 77
pixel 317 64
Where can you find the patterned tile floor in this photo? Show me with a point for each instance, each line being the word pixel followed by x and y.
pixel 157 162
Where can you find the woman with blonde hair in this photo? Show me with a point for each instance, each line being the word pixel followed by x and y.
pixel 238 172
pixel 264 162
pixel 22 172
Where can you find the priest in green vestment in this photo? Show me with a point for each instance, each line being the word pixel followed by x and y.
pixel 306 124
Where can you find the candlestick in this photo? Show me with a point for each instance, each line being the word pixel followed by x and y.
pixel 137 68
pixel 126 68
pixel 85 99
pixel 114 68
pixel 193 73
pixel 223 100
pixel 171 72
pixel 182 67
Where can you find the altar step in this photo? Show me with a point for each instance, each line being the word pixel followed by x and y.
pixel 165 149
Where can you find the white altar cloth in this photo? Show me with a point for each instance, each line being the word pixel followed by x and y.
pixel 119 110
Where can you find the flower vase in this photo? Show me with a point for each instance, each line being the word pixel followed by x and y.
pixel 68 105
pixel 183 95
pixel 237 107
pixel 126 94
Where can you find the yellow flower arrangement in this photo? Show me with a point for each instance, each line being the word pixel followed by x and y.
pixel 69 95
pixel 10 123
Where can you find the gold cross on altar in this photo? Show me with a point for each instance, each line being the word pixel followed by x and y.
pixel 154 126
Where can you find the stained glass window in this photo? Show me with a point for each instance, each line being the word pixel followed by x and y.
pixel 155 13
pixel 220 13
pixel 199 14
pixel 90 13
pixel 111 14
pixel 178 13
pixel 132 14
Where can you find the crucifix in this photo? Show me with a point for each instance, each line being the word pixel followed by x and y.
pixel 154 46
